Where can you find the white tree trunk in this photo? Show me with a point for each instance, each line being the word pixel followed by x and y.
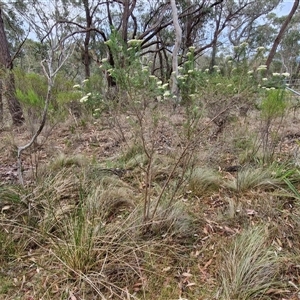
pixel 178 34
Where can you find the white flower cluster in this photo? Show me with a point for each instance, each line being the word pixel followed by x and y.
pixel 167 94
pixel 267 89
pixel 260 49
pixel 262 67
pixel 85 98
pixel 242 45
pixel 182 77
pixel 276 74
pixel 134 43
pixel 78 86
pixel 145 69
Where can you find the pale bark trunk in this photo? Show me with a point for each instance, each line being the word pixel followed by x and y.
pixel 178 33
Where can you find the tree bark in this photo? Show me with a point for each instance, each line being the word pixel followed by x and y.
pixel 127 11
pixel 216 36
pixel 8 83
pixel 86 58
pixel 178 34
pixel 281 33
pixel 1 103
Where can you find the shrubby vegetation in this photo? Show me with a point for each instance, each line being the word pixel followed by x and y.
pixel 131 192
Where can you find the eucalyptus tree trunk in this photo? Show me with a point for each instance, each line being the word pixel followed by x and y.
pixel 8 80
pixel 127 11
pixel 86 56
pixel 1 103
pixel 281 33
pixel 178 34
pixel 217 19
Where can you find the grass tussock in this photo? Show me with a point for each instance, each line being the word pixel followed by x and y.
pixel 66 161
pixel 250 267
pixel 250 178
pixel 204 180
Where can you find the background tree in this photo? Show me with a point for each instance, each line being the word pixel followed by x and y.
pixel 284 59
pixel 206 25
pixel 242 26
pixel 178 35
pixel 7 77
pixel 280 35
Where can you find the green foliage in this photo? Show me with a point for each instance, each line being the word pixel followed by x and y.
pixel 63 92
pixel 77 250
pixel 129 72
pixel 64 97
pixel 224 81
pixel 90 97
pixel 32 91
pixel 33 82
pixel 133 156
pixel 241 56
pixel 9 195
pixel 30 98
pixel 33 104
pixel 6 284
pixel 291 177
pixel 190 80
pixel 274 104
pixel 7 247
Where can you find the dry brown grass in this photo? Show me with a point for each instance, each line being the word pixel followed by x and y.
pixel 79 230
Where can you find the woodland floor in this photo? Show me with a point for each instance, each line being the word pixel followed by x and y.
pixel 183 264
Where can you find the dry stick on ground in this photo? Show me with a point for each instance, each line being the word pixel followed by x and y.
pixel 50 74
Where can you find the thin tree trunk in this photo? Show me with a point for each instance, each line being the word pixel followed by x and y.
pixel 178 33
pixel 125 18
pixel 127 11
pixel 87 60
pixel 1 104
pixel 215 39
pixel 86 55
pixel 14 106
pixel 281 33
pixel 8 83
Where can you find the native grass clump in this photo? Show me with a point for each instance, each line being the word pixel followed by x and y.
pixel 250 267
